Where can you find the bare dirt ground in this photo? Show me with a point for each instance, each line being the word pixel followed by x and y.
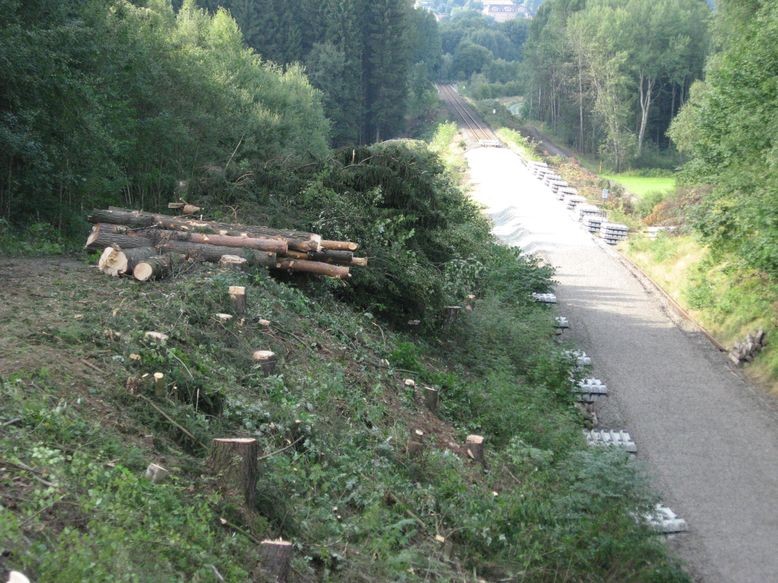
pixel 708 437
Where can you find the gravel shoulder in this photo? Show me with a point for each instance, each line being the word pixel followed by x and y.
pixel 708 437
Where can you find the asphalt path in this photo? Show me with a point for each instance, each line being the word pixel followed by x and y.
pixel 708 437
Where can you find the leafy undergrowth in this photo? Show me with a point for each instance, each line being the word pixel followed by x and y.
pixel 729 301
pixel 332 424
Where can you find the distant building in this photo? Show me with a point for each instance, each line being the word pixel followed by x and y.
pixel 503 10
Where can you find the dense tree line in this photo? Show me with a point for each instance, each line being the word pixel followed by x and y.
pixel 610 75
pixel 728 128
pixel 116 102
pixel 373 59
pixel 484 52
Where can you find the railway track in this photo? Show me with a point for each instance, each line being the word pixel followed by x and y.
pixel 478 130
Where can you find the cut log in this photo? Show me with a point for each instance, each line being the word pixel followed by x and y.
pixel 154 267
pixel 238 298
pixel 190 209
pixel 431 399
pixel 156 337
pixel 232 261
pixel 303 266
pixel 260 243
pixel 297 240
pixel 234 461
pixel 266 359
pixel 100 238
pixel 359 262
pixel 223 318
pixel 275 559
pixel 474 446
pixel 112 262
pixel 339 245
pixel 214 253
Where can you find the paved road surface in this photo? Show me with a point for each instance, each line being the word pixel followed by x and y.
pixel 709 438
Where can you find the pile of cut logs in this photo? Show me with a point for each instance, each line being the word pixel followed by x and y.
pixel 149 245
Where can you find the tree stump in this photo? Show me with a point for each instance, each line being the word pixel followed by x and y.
pixel 474 446
pixel 415 445
pixel 156 473
pixel 431 399
pixel 238 297
pixel 276 559
pixel 234 461
pixel 159 384
pixel 266 359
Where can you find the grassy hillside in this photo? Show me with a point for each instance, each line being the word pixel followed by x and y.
pixel 81 420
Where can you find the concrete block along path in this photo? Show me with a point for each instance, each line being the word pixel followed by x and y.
pixel 708 437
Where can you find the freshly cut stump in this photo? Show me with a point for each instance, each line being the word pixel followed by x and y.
pixel 276 559
pixel 266 359
pixel 474 446
pixel 415 445
pixel 431 399
pixel 238 297
pixel 234 461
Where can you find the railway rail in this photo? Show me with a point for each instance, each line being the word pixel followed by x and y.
pixel 479 131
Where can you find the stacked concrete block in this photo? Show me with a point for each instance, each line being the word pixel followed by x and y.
pixel 613 232
pixel 589 390
pixel 580 358
pixel 544 298
pixel 557 184
pixel 587 210
pixel 593 223
pixel 665 521
pixel 611 438
pixel 574 201
pixel 561 322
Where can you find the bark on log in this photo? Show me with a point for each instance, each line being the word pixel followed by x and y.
pixel 474 446
pixel 339 245
pixel 100 239
pixel 235 462
pixel 259 243
pixel 214 253
pixel 276 559
pixel 332 256
pixel 297 240
pixel 238 298
pixel 304 266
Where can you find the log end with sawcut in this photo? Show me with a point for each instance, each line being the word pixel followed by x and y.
pixel 112 262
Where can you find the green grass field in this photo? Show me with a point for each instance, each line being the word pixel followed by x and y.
pixel 642 185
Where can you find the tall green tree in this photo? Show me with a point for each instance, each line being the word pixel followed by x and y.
pixel 728 129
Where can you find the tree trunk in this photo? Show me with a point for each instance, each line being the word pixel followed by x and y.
pixel 234 461
pixel 262 244
pixel 214 253
pixel 100 239
pixel 303 266
pixel 646 96
pixel 275 559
